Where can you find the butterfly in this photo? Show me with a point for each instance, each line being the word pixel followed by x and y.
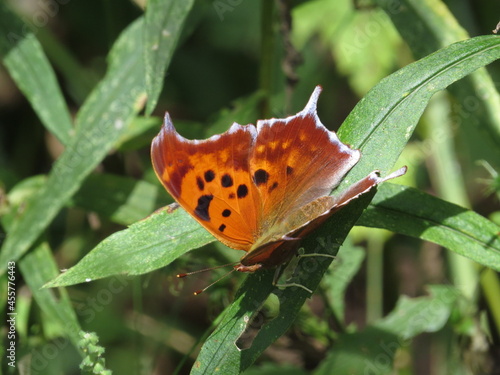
pixel 263 188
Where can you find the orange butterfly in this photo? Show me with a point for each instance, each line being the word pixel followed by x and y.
pixel 260 188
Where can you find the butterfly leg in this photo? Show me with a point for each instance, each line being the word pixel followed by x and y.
pixel 316 255
pixel 287 238
pixel 172 207
pixel 277 275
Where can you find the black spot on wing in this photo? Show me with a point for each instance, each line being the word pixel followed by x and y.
pixel 226 213
pixel 260 177
pixel 226 181
pixel 231 196
pixel 273 186
pixel 209 175
pixel 201 209
pixel 289 170
pixel 200 183
pixel 242 191
pixel 222 227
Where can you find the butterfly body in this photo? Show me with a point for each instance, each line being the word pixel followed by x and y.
pixel 260 188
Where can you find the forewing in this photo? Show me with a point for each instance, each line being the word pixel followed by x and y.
pixel 296 161
pixel 210 179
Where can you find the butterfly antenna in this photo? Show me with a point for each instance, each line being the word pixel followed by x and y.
pixel 181 275
pixel 214 282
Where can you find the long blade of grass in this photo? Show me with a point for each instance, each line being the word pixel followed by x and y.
pixel 164 20
pixel 28 66
pixel 414 213
pixel 100 123
pixel 429 25
pixel 383 121
pixel 140 248
pixel 37 268
pixel 121 199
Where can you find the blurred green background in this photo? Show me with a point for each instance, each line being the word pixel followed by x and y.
pixel 230 54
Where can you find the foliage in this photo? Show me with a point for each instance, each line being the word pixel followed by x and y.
pixel 93 362
pixel 76 172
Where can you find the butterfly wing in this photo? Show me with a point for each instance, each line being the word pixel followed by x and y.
pixel 294 162
pixel 306 219
pixel 260 189
pixel 210 179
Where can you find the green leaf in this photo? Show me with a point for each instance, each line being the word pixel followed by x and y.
pixel 164 20
pixel 383 121
pixel 37 268
pixel 101 121
pixel 18 195
pixel 223 354
pixel 429 25
pixel 139 249
pixel 409 211
pixel 425 25
pixel 121 199
pixel 28 66
pixel 372 350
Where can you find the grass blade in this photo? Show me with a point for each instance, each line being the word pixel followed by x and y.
pixel 429 25
pixel 164 20
pixel 414 213
pixel 28 66
pixel 383 121
pixel 120 199
pixel 139 249
pixel 37 268
pixel 100 123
